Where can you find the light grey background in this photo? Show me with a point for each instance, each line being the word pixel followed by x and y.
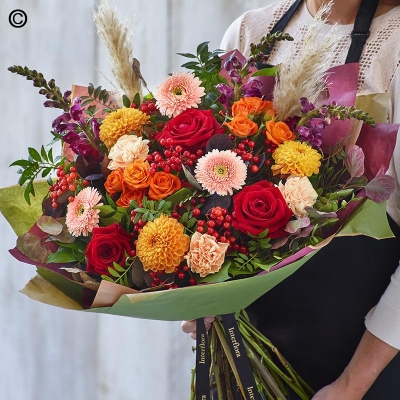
pixel 48 353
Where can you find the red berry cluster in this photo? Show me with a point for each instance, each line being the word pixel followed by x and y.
pixel 156 279
pixel 270 148
pixel 245 149
pixel 148 107
pixel 219 225
pixel 184 276
pixel 172 158
pixel 68 180
pixel 179 210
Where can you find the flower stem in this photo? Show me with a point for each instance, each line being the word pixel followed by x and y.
pixel 265 374
pixel 225 346
pixel 192 385
pixel 294 376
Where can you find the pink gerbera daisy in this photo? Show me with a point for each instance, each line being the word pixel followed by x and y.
pixel 220 172
pixel 179 92
pixel 81 217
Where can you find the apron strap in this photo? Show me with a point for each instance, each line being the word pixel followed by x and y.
pixel 281 24
pixel 361 31
pixel 359 35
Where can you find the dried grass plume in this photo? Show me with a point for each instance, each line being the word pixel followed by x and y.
pixel 305 75
pixel 117 35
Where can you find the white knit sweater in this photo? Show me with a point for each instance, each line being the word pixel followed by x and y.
pixel 379 73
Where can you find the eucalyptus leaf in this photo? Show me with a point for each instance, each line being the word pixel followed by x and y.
pixel 49 225
pixel 380 188
pixel 355 161
pixel 32 247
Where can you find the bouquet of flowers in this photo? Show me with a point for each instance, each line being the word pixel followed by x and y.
pixel 163 204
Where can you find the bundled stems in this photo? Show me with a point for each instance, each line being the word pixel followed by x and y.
pixel 272 380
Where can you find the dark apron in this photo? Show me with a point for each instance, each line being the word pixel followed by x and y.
pixel 316 316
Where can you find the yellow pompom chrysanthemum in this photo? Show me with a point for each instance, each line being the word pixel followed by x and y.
pixel 162 244
pixel 122 122
pixel 296 158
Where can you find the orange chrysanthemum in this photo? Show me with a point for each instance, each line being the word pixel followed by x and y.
pixel 122 122
pixel 162 244
pixel 296 158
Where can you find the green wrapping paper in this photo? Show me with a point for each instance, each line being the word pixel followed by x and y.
pixel 177 304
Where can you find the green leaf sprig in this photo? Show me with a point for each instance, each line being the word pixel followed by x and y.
pixel 99 96
pixel 149 210
pixel 206 67
pixel 38 164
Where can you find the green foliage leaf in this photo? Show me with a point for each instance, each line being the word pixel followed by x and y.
pixel 113 272
pixel 187 55
pixel 136 99
pixel 62 255
pixel 91 110
pixel 202 48
pixel 180 196
pixel 34 154
pixel 117 267
pixel 97 92
pixel 20 163
pixel 271 71
pixel 221 276
pixel 126 101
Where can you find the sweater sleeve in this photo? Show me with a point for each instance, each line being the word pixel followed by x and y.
pixel 384 320
pixel 231 39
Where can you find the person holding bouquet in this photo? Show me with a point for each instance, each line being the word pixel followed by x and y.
pixel 337 319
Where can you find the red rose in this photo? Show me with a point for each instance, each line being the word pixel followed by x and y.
pixel 108 244
pixel 191 129
pixel 261 206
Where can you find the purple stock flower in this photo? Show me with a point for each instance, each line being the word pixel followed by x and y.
pixel 225 90
pixel 252 88
pixel 235 76
pixel 79 145
pixel 318 123
pixel 312 135
pixel 71 137
pixel 61 124
pixel 95 128
pixel 66 95
pixel 232 63
pixel 50 104
pixel 291 122
pixel 90 153
pixel 76 111
pixel 226 94
pixel 306 106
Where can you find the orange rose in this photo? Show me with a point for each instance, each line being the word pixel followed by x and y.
pixel 114 182
pixel 241 126
pixel 137 175
pixel 162 185
pixel 128 194
pixel 252 106
pixel 278 132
